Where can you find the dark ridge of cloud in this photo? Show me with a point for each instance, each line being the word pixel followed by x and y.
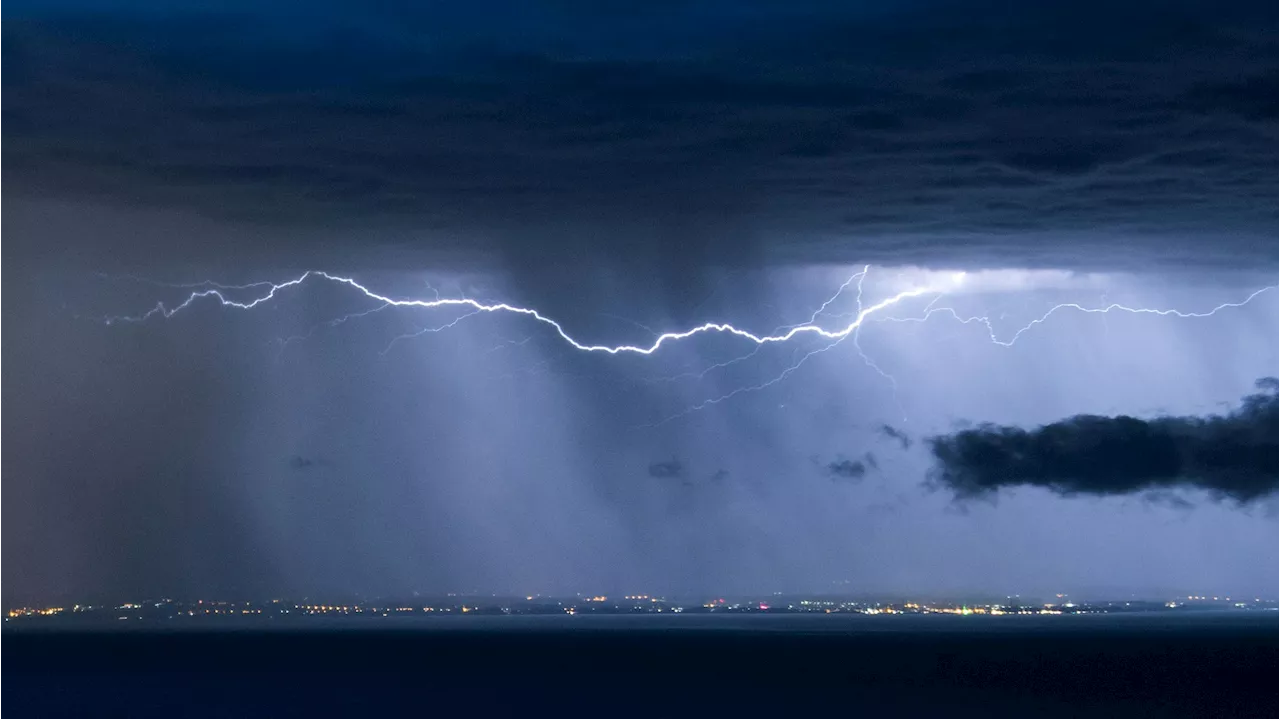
pixel 1231 456
pixel 854 469
pixel 833 134
pixel 720 475
pixel 899 436
pixel 666 470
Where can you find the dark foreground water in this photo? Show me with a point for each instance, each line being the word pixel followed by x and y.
pixel 657 666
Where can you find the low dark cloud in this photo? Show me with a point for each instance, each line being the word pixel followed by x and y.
pixel 895 434
pixel 833 133
pixel 1231 456
pixel 297 462
pixel 667 470
pixel 854 469
pixel 847 469
pixel 301 464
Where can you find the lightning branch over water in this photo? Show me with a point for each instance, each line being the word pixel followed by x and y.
pixel 285 342
pixel 787 372
pixel 781 328
pixel 427 330
pixel 661 339
pixel 858 313
pixel 1105 310
pixel 877 312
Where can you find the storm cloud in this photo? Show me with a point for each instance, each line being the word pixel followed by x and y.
pixel 1231 456
pixel 784 132
pixel 847 469
pixel 624 170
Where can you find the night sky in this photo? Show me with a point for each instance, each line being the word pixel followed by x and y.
pixel 629 169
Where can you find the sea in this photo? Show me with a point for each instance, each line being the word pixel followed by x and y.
pixel 1161 664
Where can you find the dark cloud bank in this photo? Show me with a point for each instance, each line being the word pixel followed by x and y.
pixel 1231 456
pixel 922 131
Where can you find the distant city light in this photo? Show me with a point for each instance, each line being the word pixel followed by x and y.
pixel 151 610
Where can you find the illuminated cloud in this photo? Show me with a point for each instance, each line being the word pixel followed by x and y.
pixel 995 281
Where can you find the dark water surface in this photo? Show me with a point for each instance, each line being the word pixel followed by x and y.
pixel 1158 665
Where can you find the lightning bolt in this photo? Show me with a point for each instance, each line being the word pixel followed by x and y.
pixel 857 337
pixel 782 328
pixel 284 343
pixel 507 343
pixel 750 388
pixel 783 334
pixel 709 327
pixel 1105 310
pixel 707 370
pixel 428 330
pixel 858 313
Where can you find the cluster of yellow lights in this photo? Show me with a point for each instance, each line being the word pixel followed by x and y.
pixel 966 611
pixel 31 612
pixel 191 613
